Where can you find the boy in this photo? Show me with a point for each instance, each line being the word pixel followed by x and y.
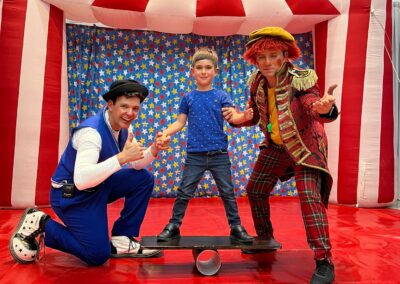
pixel 206 147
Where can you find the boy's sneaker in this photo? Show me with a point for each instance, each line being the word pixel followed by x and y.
pixel 324 272
pixel 24 247
pixel 125 247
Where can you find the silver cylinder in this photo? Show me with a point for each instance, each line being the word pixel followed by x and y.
pixel 208 261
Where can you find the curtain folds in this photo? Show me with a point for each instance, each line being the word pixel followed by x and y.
pixel 396 63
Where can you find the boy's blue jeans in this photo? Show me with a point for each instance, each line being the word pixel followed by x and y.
pixel 218 163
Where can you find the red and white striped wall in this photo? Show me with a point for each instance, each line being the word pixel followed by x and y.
pixel 350 51
pixel 350 39
pixel 33 89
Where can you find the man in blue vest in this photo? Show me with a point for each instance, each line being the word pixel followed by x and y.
pixel 102 163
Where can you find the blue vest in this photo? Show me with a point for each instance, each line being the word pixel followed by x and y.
pixel 109 147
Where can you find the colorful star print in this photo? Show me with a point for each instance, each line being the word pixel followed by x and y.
pixel 98 56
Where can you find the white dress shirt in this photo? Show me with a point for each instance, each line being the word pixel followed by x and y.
pixel 88 172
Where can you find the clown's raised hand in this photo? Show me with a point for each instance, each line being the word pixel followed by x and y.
pixel 324 104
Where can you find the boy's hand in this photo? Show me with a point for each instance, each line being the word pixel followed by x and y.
pixel 231 115
pixel 161 142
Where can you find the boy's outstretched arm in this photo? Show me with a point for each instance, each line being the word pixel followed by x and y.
pixel 233 116
pixel 175 127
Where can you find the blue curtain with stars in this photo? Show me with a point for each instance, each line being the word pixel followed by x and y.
pixel 98 56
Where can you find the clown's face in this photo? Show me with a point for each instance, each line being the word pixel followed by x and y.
pixel 269 62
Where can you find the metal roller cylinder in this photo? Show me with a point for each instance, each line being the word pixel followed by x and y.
pixel 208 261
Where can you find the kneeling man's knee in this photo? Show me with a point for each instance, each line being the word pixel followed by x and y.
pixel 98 257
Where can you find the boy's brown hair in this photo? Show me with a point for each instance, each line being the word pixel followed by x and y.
pixel 205 53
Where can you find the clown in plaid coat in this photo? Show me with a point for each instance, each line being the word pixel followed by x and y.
pixel 300 125
pixel 285 101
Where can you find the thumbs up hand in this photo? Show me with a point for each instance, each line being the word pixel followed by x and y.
pixel 132 151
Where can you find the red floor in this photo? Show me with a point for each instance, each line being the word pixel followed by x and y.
pixel 366 247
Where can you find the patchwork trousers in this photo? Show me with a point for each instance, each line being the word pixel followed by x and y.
pixel 271 164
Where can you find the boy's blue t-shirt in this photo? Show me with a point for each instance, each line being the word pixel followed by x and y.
pixel 205 120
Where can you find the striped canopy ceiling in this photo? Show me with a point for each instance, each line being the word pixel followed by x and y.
pixel 204 17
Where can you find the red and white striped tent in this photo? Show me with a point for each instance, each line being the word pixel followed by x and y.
pixel 352 43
